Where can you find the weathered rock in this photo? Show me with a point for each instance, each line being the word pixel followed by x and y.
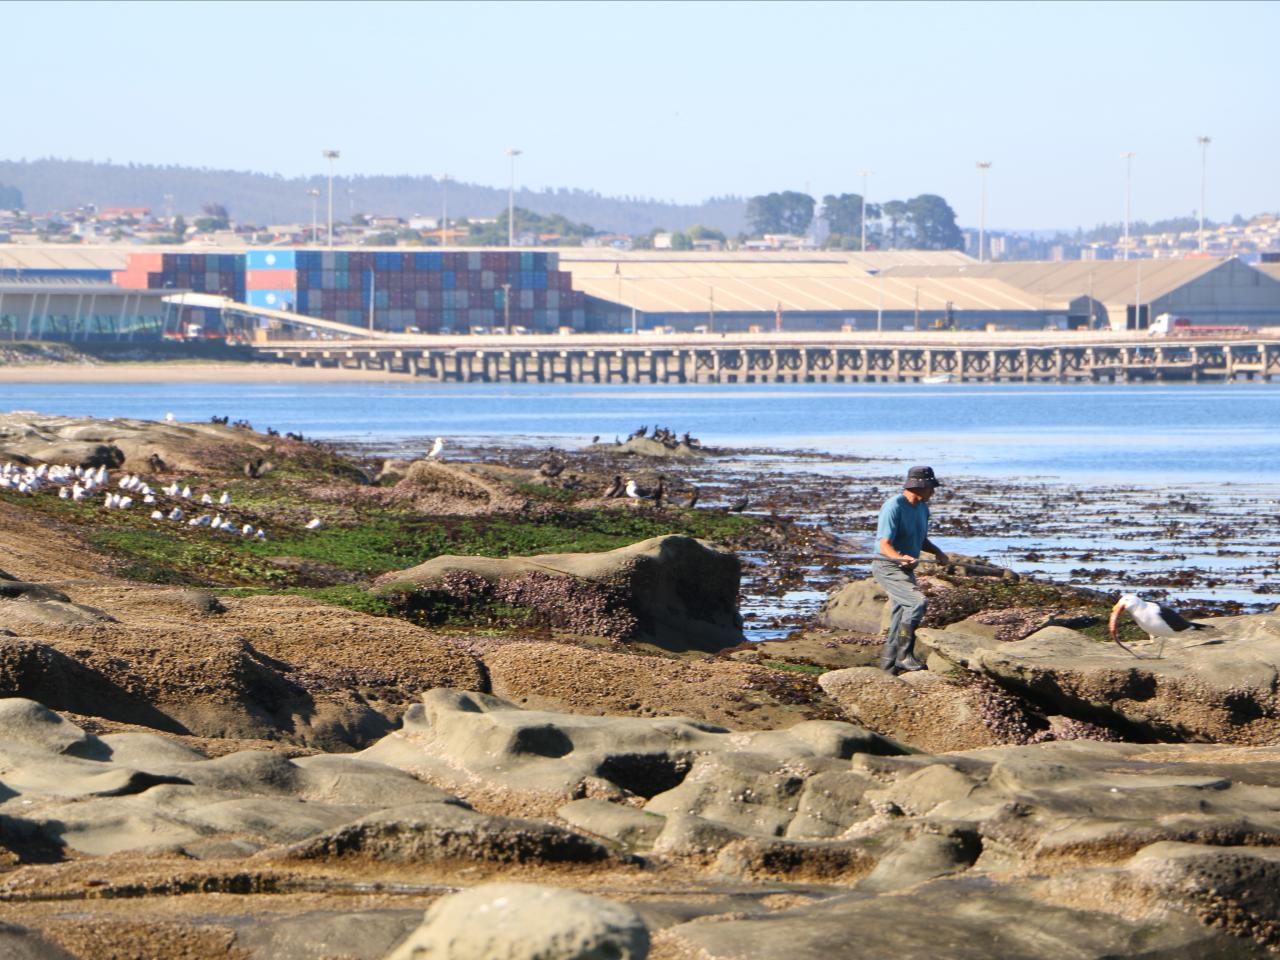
pixel 516 921
pixel 574 679
pixel 86 441
pixel 1221 686
pixel 27 606
pixel 443 833
pixel 491 752
pixel 626 826
pixel 995 920
pixel 648 447
pixel 930 711
pixel 433 486
pixel 859 605
pixel 19 943
pixel 270 667
pixel 359 935
pixel 675 591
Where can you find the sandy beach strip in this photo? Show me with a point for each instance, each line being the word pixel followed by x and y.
pixel 178 372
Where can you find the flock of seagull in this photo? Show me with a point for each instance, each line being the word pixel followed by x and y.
pixel 82 484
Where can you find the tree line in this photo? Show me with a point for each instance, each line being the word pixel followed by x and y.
pixel 926 222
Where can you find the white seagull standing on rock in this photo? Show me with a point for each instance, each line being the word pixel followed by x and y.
pixel 1156 619
pixel 436 447
pixel 314 524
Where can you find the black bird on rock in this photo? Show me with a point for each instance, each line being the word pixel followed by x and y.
pixel 615 489
pixel 692 502
pixel 253 469
pixel 739 505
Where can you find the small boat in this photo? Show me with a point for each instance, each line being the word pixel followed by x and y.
pixel 937 378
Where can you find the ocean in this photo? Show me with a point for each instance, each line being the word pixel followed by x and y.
pixel 1140 434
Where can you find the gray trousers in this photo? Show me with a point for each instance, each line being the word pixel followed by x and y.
pixel 907 606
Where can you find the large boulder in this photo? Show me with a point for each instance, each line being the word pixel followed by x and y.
pixel 524 921
pixel 861 606
pixel 1221 685
pixel 86 441
pixel 930 711
pixel 675 591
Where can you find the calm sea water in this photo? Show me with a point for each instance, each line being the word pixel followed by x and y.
pixel 1141 434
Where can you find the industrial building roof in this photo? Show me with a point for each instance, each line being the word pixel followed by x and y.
pixel 1108 281
pixel 751 287
pixel 1270 269
pixel 64 256
pixel 870 262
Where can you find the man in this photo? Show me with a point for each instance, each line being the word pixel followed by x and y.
pixel 903 532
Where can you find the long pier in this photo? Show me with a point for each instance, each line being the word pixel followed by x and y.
pixel 796 358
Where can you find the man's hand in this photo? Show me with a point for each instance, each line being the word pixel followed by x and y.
pixel 905 560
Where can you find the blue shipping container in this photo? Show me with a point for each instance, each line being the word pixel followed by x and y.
pixel 271 299
pixel 271 260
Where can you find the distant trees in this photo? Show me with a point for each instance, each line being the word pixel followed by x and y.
pixel 787 212
pixel 552 228
pixel 843 215
pixel 215 218
pixel 933 224
pixel 926 222
pixel 11 198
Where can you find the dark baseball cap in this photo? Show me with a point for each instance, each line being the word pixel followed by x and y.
pixel 919 478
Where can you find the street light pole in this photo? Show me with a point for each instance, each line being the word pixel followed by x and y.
pixel 1128 182
pixel 330 155
pixel 1204 168
pixel 512 152
pixel 506 305
pixel 314 194
pixel 862 214
pixel 983 167
pixel 444 209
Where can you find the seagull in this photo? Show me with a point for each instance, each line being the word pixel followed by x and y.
pixel 186 493
pixel 644 493
pixel 205 498
pixel 175 514
pixel 314 524
pixel 551 468
pixel 157 514
pixel 1156 619
pixel 436 447
pixel 225 499
pixel 168 417
pixel 260 534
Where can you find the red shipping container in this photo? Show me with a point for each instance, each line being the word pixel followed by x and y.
pixel 270 279
pixel 145 262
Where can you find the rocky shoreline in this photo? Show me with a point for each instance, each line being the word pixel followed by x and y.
pixel 442 689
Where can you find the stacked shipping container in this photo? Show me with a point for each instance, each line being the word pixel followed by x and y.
pixel 432 291
pixel 217 273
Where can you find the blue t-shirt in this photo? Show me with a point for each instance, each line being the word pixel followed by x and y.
pixel 903 525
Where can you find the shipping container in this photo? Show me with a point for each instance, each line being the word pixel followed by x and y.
pixel 271 260
pixel 270 279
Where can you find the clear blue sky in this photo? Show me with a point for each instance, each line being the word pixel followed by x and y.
pixel 677 100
